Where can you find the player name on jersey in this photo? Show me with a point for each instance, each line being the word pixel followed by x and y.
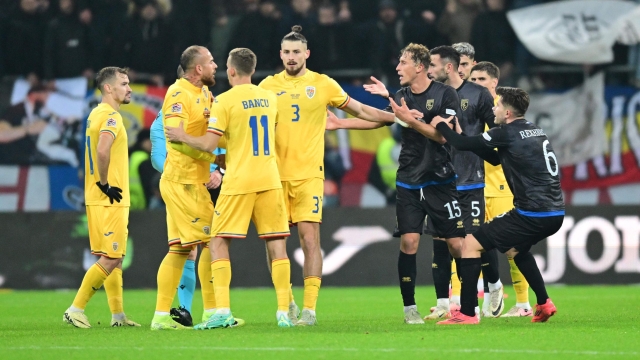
pixel 248 104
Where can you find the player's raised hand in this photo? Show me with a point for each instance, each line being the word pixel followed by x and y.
pixel 402 112
pixel 333 123
pixel 377 88
pixel 175 134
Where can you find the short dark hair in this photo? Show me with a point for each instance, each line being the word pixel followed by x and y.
pixel 515 98
pixel 243 60
pixel 107 74
pixel 180 72
pixel 419 53
pixel 464 48
pixel 447 54
pixel 295 35
pixel 489 67
pixel 189 56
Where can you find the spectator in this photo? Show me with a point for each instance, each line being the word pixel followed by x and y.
pixel 23 45
pixel 331 45
pixel 140 171
pixel 191 25
pixel 143 44
pixel 299 13
pixel 455 24
pixel 67 51
pixel 264 43
pixel 20 127
pixel 488 27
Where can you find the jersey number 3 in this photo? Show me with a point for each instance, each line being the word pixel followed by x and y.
pixel 253 124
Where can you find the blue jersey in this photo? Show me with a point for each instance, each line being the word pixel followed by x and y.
pixel 159 145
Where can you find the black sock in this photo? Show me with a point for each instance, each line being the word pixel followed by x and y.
pixel 490 268
pixel 529 269
pixel 441 268
pixel 469 270
pixel 407 272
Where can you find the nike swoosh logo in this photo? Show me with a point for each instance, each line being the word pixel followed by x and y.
pixel 196 220
pixel 495 313
pixel 109 233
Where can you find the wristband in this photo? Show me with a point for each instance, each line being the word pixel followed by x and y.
pixel 222 171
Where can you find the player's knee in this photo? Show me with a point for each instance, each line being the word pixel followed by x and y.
pixel 455 247
pixel 511 253
pixel 409 243
pixel 309 241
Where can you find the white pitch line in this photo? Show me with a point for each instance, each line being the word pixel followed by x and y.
pixel 287 349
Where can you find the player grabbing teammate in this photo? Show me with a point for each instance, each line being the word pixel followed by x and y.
pixel 426 177
pixel 189 206
pixel 246 116
pixel 531 167
pixel 303 97
pixel 498 197
pixel 476 113
pixel 106 180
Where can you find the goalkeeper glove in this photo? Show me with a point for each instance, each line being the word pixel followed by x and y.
pixel 112 192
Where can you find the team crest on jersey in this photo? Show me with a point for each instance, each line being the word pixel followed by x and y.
pixel 464 104
pixel 206 113
pixel 206 230
pixel 115 246
pixel 111 122
pixel 311 90
pixel 430 104
pixel 176 108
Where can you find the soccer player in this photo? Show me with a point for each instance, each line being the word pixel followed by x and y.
pixel 498 197
pixel 106 180
pixel 303 96
pixel 467 58
pixel 476 113
pixel 426 177
pixel 188 204
pixel 187 285
pixel 531 169
pixel 246 116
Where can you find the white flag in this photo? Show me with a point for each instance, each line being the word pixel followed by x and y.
pixel 575 32
pixel 573 121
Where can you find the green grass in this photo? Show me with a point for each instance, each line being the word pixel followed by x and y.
pixel 592 322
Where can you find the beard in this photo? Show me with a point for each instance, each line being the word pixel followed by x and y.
pixel 294 71
pixel 442 77
pixel 209 81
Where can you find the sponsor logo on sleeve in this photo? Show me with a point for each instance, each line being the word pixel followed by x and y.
pixel 111 122
pixel 176 108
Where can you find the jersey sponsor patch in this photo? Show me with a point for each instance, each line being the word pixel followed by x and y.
pixel 486 136
pixel 111 122
pixel 176 108
pixel 311 91
pixel 450 112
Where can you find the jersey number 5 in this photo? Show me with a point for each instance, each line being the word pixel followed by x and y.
pixel 253 124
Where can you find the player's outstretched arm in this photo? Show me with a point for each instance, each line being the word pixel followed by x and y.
pixel 403 113
pixel 475 144
pixel 377 88
pixel 334 123
pixel 368 113
pixel 207 142
pixel 193 153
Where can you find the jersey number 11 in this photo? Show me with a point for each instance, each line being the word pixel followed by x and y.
pixel 253 124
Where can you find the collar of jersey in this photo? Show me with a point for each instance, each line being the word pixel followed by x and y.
pixel 295 79
pixel 185 84
pixel 109 107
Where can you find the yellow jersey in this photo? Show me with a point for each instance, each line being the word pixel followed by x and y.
pixel 246 116
pixel 189 104
pixel 302 113
pixel 104 119
pixel 495 182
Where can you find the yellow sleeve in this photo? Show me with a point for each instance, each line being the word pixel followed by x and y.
pixel 193 153
pixel 222 143
pixel 265 83
pixel 176 108
pixel 336 96
pixel 109 124
pixel 219 119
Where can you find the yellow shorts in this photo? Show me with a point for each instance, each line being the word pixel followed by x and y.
pixel 303 199
pixel 108 230
pixel 189 212
pixel 266 210
pixel 495 206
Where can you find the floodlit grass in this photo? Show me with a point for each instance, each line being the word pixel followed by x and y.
pixel 593 322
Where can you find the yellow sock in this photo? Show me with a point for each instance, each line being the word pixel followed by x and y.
pixel 113 288
pixel 92 281
pixel 520 284
pixel 281 277
pixel 169 275
pixel 221 271
pixel 291 299
pixel 311 289
pixel 455 282
pixel 206 284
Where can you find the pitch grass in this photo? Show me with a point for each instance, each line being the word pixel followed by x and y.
pixel 592 323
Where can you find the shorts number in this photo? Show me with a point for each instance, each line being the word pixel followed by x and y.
pixel 253 124
pixel 475 210
pixel 550 155
pixel 317 204
pixel 454 209
pixel 90 157
pixel 296 112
